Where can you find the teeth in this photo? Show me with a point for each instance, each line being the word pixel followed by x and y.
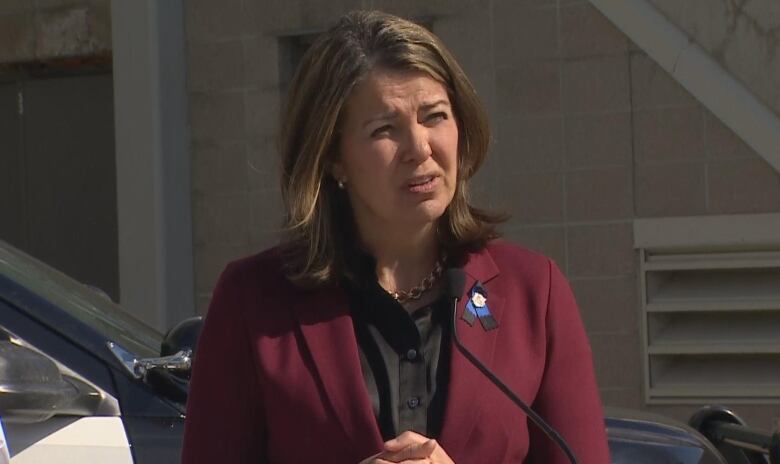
pixel 423 181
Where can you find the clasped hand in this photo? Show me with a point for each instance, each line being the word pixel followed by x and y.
pixel 411 448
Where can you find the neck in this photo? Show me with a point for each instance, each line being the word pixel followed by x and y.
pixel 403 258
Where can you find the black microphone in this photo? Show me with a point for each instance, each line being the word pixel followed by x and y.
pixel 456 281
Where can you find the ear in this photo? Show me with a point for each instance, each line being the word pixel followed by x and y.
pixel 337 171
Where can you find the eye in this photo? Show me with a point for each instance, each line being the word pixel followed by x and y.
pixel 436 117
pixel 381 131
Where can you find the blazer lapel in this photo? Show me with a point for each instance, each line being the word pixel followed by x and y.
pixel 464 405
pixel 327 329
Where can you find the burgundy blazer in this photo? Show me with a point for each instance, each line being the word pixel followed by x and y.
pixel 277 377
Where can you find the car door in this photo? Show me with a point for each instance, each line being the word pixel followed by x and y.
pixel 81 329
pixel 135 421
pixel 54 414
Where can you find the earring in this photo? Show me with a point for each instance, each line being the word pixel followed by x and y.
pixel 340 184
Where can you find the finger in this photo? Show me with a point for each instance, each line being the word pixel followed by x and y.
pixel 384 461
pixel 414 451
pixel 377 459
pixel 408 461
pixel 372 459
pixel 405 439
pixel 440 456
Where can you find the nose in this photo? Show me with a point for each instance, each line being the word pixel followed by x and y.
pixel 418 147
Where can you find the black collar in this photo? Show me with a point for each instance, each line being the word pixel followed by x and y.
pixel 371 304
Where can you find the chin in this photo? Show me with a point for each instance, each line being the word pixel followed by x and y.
pixel 427 212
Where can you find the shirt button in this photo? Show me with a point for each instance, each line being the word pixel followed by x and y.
pixel 413 402
pixel 411 355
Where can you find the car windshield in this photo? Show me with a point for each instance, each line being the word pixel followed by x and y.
pixel 80 301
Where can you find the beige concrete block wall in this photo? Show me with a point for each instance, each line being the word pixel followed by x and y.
pixel 589 133
pixel 48 29
pixel 234 99
pixel 742 36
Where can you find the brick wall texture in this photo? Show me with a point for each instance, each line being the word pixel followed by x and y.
pixel 40 30
pixel 588 134
pixel 741 36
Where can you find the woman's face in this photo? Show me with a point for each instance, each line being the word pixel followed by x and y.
pixel 398 150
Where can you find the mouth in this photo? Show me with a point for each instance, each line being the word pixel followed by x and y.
pixel 422 184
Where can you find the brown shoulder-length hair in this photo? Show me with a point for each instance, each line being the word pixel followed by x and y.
pixel 318 218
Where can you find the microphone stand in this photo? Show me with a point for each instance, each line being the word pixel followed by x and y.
pixel 551 433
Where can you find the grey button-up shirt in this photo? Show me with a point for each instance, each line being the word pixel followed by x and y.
pixel 404 358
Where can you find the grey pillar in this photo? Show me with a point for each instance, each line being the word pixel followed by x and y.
pixel 153 161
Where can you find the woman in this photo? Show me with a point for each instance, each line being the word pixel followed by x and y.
pixel 335 346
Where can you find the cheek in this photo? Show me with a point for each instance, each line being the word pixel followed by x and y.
pixel 369 162
pixel 369 168
pixel 447 143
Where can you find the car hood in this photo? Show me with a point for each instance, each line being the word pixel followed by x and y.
pixel 638 437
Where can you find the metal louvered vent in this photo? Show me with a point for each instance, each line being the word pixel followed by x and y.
pixel 710 291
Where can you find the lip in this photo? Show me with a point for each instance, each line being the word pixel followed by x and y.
pixel 422 184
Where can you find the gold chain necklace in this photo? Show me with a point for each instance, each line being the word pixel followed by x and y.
pixel 416 292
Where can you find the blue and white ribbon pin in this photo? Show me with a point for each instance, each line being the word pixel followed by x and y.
pixel 477 307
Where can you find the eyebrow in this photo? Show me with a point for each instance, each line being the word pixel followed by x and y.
pixel 392 114
pixel 428 106
pixel 381 117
